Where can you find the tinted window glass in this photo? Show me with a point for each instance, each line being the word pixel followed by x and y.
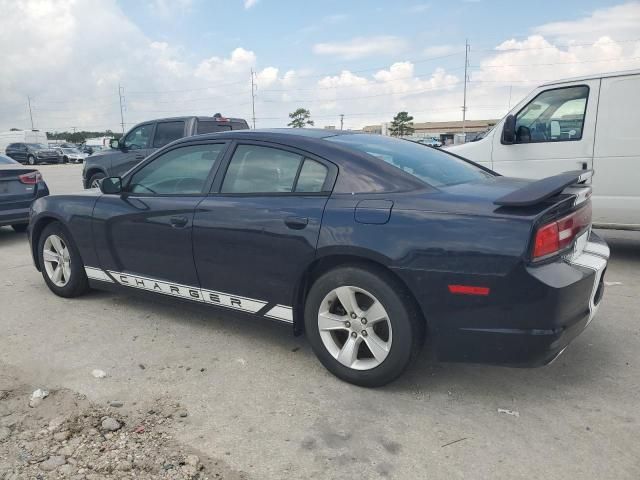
pixel 179 171
pixel 553 116
pixel 255 169
pixel 167 132
pixel 430 165
pixel 312 177
pixel 211 127
pixel 139 137
pixel 6 160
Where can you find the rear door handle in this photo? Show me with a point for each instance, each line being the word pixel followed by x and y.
pixel 296 223
pixel 178 222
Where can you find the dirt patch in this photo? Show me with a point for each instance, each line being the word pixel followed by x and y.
pixel 63 435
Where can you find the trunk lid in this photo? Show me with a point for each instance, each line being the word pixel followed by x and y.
pixel 12 189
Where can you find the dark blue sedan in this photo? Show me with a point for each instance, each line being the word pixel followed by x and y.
pixel 19 187
pixel 365 243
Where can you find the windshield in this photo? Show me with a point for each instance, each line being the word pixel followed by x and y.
pixel 38 145
pixel 430 165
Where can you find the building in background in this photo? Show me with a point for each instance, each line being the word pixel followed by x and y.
pixel 446 133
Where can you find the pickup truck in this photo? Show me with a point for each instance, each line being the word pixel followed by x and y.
pixel 145 138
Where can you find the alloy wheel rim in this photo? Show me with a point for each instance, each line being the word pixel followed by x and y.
pixel 355 328
pixel 57 260
pixel 96 183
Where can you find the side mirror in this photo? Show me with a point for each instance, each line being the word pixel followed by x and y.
pixel 509 130
pixel 114 143
pixel 111 185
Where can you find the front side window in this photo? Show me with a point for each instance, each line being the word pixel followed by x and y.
pixel 553 116
pixel 256 169
pixel 167 132
pixel 138 137
pixel 182 171
pixel 432 166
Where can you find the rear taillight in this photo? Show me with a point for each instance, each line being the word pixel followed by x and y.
pixel 30 178
pixel 555 236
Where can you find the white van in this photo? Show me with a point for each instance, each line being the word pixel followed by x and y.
pixel 579 123
pixel 21 136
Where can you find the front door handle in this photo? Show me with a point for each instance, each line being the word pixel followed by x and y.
pixel 296 223
pixel 139 156
pixel 178 222
pixel 582 164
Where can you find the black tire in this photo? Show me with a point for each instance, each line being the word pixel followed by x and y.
pixel 20 227
pixel 95 177
pixel 406 324
pixel 31 160
pixel 65 160
pixel 78 284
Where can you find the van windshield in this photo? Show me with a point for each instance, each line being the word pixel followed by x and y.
pixel 432 166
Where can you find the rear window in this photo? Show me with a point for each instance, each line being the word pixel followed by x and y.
pixel 167 132
pixel 432 166
pixel 210 126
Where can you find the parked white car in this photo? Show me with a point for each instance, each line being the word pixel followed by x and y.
pixel 581 123
pixel 71 155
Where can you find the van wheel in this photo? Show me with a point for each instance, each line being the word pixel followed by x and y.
pixel 94 181
pixel 362 325
pixel 61 265
pixel 31 160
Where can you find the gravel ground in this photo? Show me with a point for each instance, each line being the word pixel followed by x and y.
pixel 261 405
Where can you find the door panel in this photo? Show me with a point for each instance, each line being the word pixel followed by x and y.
pixel 257 246
pixel 148 236
pixel 616 190
pixel 545 158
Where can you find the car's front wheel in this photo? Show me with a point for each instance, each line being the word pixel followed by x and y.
pixel 60 262
pixel 31 160
pixel 94 181
pixel 362 325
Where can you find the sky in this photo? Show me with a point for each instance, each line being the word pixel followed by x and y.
pixel 364 59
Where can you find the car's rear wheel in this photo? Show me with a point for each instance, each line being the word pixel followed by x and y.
pixel 20 227
pixel 362 325
pixel 31 160
pixel 60 262
pixel 94 181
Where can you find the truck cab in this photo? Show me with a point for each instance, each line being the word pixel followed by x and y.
pixel 147 137
pixel 581 123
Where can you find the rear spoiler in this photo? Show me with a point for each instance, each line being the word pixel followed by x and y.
pixel 541 190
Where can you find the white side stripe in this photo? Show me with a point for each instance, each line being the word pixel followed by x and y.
pixel 97 274
pixel 281 312
pixel 196 294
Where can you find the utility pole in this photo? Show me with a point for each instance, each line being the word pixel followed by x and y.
pixel 467 47
pixel 30 114
pixel 254 87
pixel 510 90
pixel 341 120
pixel 121 95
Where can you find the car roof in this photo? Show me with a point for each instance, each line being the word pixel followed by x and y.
pixel 621 73
pixel 188 117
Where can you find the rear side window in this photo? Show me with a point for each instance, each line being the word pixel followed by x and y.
pixel 212 127
pixel 256 169
pixel 312 177
pixel 167 132
pixel 432 166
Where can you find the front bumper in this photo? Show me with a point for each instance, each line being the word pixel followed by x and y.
pixel 554 305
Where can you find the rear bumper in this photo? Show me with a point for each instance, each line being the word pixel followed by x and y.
pixel 555 304
pixel 15 213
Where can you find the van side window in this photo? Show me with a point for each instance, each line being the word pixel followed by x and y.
pixel 553 116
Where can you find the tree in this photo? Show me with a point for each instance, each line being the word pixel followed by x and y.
pixel 401 125
pixel 300 118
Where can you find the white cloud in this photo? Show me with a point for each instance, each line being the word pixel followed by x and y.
pixel 361 47
pixel 71 68
pixel 249 3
